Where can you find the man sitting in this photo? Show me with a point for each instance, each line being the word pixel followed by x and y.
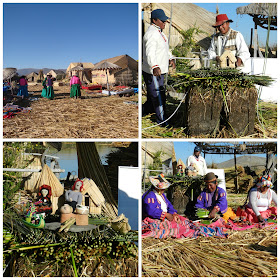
pixel 214 198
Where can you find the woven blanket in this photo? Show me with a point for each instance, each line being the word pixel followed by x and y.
pixel 163 229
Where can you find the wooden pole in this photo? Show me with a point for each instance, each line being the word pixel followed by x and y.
pixel 236 175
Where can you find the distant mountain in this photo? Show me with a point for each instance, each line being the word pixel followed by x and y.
pixel 243 161
pixel 26 71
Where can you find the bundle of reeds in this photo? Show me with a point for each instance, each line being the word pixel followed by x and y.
pixel 214 77
pixel 244 254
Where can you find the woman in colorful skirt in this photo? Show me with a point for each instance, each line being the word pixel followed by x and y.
pixel 260 197
pixel 48 91
pixel 75 85
pixel 23 92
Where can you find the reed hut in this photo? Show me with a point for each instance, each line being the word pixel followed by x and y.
pixel 183 16
pixel 83 69
pixel 265 16
pixel 32 77
pixel 127 75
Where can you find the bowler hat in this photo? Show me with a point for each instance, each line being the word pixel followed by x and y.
pixel 209 177
pixel 220 19
pixel 159 14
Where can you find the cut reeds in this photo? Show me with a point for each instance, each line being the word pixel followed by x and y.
pixel 250 253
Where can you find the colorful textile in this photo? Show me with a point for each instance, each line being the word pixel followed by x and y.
pixel 229 214
pixel 219 200
pixel 151 206
pixel 10 110
pixel 163 229
pixel 248 214
pixel 75 90
pixel 22 91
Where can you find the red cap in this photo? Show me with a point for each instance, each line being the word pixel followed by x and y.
pixel 220 19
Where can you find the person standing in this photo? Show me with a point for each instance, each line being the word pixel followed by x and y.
pixel 48 91
pixel 197 161
pixel 228 39
pixel 156 60
pixel 23 91
pixel 75 85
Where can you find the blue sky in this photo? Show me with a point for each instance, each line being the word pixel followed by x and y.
pixel 184 149
pixel 53 35
pixel 242 23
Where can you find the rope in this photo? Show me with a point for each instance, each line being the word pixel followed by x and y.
pixel 170 116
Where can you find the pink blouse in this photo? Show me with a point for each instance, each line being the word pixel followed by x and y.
pixel 75 80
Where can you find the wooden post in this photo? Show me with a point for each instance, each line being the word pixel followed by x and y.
pixel 236 175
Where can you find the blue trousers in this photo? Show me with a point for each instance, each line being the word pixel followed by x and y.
pixel 156 98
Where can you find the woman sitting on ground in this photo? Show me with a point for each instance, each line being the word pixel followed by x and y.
pixel 155 203
pixel 260 197
pixel 214 199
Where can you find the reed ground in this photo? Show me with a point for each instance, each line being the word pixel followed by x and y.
pixel 93 116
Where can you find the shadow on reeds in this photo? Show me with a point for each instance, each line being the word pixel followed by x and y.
pixel 270 249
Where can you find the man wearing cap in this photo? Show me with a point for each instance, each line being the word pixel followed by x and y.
pixel 154 202
pixel 156 59
pixel 228 39
pixel 198 161
pixel 212 198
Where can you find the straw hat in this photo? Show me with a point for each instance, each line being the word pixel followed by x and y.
pixel 159 182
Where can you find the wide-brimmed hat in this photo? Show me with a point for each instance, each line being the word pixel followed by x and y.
pixel 220 19
pixel 159 182
pixel 159 14
pixel 210 177
pixel 264 181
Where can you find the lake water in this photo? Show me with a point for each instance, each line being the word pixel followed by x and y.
pixel 68 157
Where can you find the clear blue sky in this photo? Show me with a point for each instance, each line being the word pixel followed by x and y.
pixel 53 35
pixel 184 149
pixel 242 23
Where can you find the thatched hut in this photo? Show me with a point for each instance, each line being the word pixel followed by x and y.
pixel 32 77
pixel 83 69
pixel 127 75
pixel 183 17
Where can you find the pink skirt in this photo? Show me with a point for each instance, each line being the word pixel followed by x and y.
pixel 249 215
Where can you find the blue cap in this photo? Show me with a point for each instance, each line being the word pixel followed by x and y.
pixel 197 149
pixel 159 14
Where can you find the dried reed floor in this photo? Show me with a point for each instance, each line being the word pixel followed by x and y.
pixel 248 253
pixel 92 116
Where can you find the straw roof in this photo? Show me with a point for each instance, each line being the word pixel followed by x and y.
pixel 85 65
pixel 260 13
pixel 180 162
pixel 48 178
pixel 184 16
pixel 265 9
pixel 124 61
pixel 9 73
pixel 106 65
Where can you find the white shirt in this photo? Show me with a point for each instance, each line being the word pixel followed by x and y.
pixel 155 50
pixel 200 164
pixel 163 204
pixel 242 50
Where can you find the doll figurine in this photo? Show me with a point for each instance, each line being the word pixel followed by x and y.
pixel 74 196
pixel 44 200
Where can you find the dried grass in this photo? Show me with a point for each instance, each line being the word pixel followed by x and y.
pixel 92 116
pixel 244 254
